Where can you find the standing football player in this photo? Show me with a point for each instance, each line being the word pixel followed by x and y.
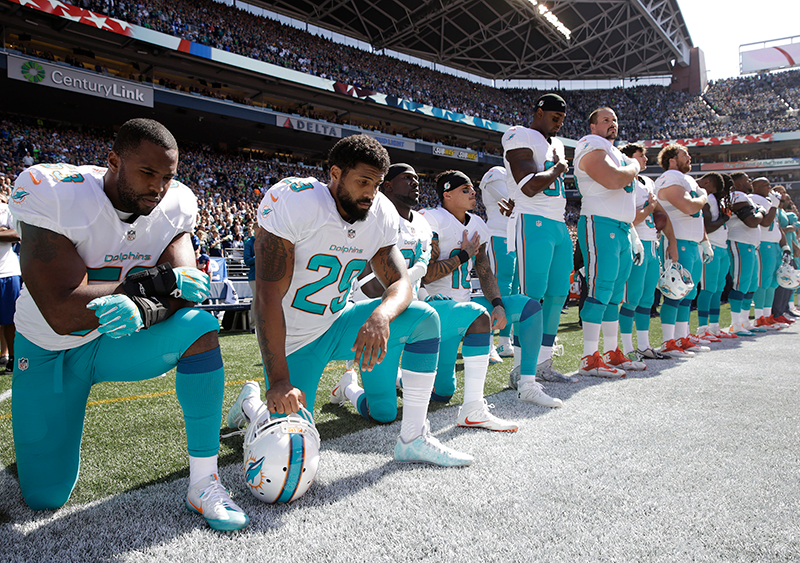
pixel 118 309
pixel 311 242
pixel 535 167
pixel 459 238
pixel 606 180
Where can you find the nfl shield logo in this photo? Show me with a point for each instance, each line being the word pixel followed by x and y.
pixel 131 235
pixel 613 235
pixel 538 223
pixel 22 364
pixel 351 233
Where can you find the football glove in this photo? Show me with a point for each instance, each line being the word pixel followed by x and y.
pixel 708 251
pixel 637 248
pixel 774 199
pixel 787 253
pixel 118 314
pixel 193 284
pixel 164 281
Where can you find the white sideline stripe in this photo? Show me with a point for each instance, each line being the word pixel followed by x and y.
pixel 5 395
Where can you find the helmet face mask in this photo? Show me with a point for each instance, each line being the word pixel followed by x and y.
pixel 675 281
pixel 281 456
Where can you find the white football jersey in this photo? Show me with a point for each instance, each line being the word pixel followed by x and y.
pixel 738 231
pixel 644 186
pixel 596 199
pixel 9 261
pixel 449 232
pixel 773 232
pixel 415 246
pixel 720 236
pixel 493 189
pixel 550 202
pixel 329 251
pixel 686 227
pixel 69 200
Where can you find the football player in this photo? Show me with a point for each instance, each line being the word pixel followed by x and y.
pixel 716 214
pixel 311 241
pixel 607 181
pixel 744 236
pixel 459 238
pixel 110 283
pixel 771 252
pixel 683 200
pixel 641 284
pixel 535 167
pixel 494 189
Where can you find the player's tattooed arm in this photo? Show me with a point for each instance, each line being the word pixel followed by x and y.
pixel 373 338
pixel 437 269
pixel 486 276
pixel 274 271
pixel 57 279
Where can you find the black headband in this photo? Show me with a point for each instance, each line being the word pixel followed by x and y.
pixel 552 102
pixel 451 181
pixel 396 169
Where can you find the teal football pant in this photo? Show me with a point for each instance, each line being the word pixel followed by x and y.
pixel 769 258
pixel 673 310
pixel 504 266
pixel 50 389
pixel 743 268
pixel 713 284
pixel 640 288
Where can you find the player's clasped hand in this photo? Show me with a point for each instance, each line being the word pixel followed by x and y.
pixel 284 398
pixel 372 341
pixel 498 318
pixel 193 284
pixel 118 315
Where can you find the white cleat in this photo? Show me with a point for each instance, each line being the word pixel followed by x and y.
pixel 505 351
pixel 546 372
pixel 427 449
pixel 211 500
pixel 476 415
pixel 533 393
pixel 236 416
pixel 337 394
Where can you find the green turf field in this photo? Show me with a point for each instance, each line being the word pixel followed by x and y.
pixel 134 434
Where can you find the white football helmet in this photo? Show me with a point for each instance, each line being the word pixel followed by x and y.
pixel 675 281
pixel 788 277
pixel 281 456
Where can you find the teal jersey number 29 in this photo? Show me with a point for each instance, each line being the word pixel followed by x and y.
pixel 336 273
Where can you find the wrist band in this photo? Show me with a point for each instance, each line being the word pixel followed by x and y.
pixel 525 180
pixel 497 302
pixel 463 256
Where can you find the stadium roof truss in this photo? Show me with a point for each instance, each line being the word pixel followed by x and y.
pixel 513 39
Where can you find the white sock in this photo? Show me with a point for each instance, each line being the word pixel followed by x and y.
pixel 627 342
pixel 349 364
pixel 504 341
pixel 474 375
pixel 681 329
pixel 353 392
pixel 714 328
pixel 417 387
pixel 526 379
pixel 545 353
pixel 668 331
pixel 767 312
pixel 517 356
pixel 610 329
pixel 252 407
pixel 759 313
pixel 643 339
pixel 201 467
pixel 591 338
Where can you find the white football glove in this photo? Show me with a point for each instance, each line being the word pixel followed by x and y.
pixel 637 248
pixel 774 199
pixel 708 251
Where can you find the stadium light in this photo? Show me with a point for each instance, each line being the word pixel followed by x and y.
pixel 551 18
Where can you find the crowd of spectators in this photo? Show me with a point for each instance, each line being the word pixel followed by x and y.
pixel 729 107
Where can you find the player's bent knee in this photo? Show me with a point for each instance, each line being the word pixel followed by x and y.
pixel 48 497
pixel 428 325
pixel 530 309
pixel 383 412
pixel 481 324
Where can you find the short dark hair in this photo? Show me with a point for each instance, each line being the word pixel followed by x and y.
pixel 716 179
pixel 593 115
pixel 134 131
pixel 736 175
pixel 632 148
pixel 351 151
pixel 668 153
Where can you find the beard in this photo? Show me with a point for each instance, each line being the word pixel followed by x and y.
pixel 128 197
pixel 350 205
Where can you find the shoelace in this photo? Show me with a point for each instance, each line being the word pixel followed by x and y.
pixel 216 494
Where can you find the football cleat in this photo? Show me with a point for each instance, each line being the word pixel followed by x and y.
pixel 670 348
pixel 738 330
pixel 494 357
pixel 776 321
pixel 687 344
pixel 694 339
pixel 338 397
pixel 594 365
pixel 213 502
pixel 513 377
pixel 236 416
pixel 533 393
pixel 476 415
pixel 505 351
pixel 783 319
pixel 651 354
pixel 616 358
pixel 427 449
pixel 546 372
pixel 281 456
pixel 765 323
pixel 707 336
